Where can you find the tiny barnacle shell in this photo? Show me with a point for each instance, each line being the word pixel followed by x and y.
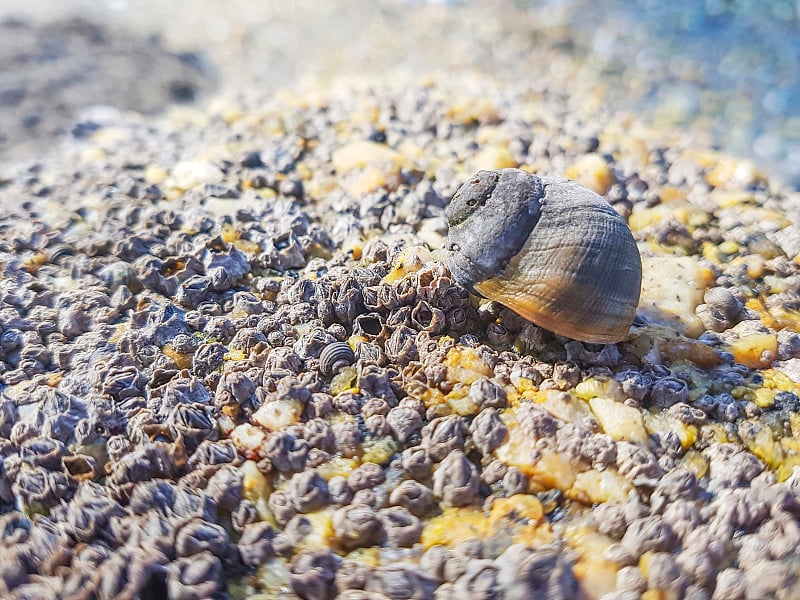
pixel 334 356
pixel 546 247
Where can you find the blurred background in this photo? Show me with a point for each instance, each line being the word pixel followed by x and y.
pixel 725 72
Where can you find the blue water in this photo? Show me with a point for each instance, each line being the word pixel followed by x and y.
pixel 731 66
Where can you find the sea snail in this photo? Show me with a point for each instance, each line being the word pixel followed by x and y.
pixel 551 250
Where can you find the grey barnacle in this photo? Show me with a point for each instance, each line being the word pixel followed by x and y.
pixel 551 250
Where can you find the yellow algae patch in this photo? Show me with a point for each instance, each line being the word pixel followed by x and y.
pixel 320 535
pixel 410 150
pixel 595 486
pixel 634 145
pixel 369 179
pixel 492 157
pixel 533 536
pixel 523 516
pixel 785 469
pixel 641 218
pixel 343 381
pixel 256 488
pixel 564 406
pixel 764 397
pixel 729 247
pixel 696 463
pixel 596 575
pixel 429 396
pixel 363 153
pixel 762 443
pixel 379 450
pixel 190 174
pixel 520 516
pixel 410 260
pixel 522 387
pixel 794 424
pixel 154 174
pixel 471 111
pixel 656 343
pixel 663 424
pixel 546 469
pixel 278 414
pixel 672 287
pixel 776 318
pixel 355 246
pixel 232 355
pixel 717 433
pixel 466 365
pixel 182 361
pixel 248 439
pixel 553 470
pixel 672 194
pixel 774 382
pixel 591 171
pixel 756 351
pixel 620 421
pixel 454 526
pixel 593 387
pixel 228 233
pixel 517 507
pixel 461 402
pixel 53 379
pixel 370 557
pixel 733 172
pixel 338 465
pixel 731 199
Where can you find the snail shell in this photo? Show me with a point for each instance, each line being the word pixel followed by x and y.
pixel 335 356
pixel 551 250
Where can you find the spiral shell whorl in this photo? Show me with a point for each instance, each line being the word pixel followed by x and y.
pixel 335 356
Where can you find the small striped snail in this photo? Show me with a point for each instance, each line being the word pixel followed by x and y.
pixel 551 250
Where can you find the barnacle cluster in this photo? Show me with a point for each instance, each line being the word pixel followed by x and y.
pixel 235 364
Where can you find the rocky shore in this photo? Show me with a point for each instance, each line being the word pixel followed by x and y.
pixel 235 364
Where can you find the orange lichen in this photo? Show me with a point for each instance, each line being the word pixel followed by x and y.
pixel 596 575
pixel 466 365
pixel 756 351
pixel 182 361
pixel 454 526
pixel 593 486
pixel 337 465
pixel 592 171
pixel 517 508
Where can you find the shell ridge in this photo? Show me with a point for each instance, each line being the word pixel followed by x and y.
pixel 575 270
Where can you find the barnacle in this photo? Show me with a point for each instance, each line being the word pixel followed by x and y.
pixel 290 354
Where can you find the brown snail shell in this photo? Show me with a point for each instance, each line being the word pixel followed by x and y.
pixel 551 250
pixel 335 356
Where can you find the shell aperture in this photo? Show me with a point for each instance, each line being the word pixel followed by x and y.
pixel 549 249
